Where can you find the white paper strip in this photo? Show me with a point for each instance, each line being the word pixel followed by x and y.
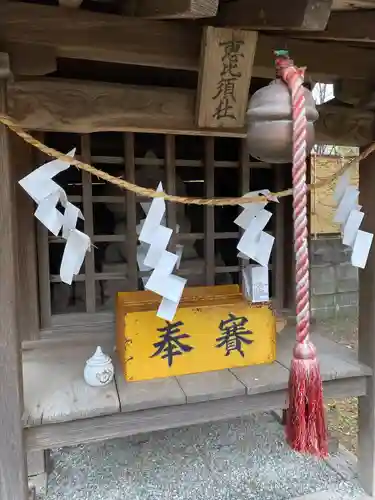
pixel 260 221
pixel 39 184
pixel 47 194
pixel 248 244
pixel 349 216
pixel 260 250
pixel 153 219
pixel 143 248
pixel 264 249
pixel 342 183
pixel 179 251
pixel 245 217
pixel 77 245
pixel 246 283
pixel 361 249
pixel 257 286
pixel 70 218
pixel 351 227
pixel 162 235
pixel 163 282
pixel 255 243
pixel 154 238
pixel 48 214
pixel 146 207
pixel 167 309
pixel 242 256
pixel 348 203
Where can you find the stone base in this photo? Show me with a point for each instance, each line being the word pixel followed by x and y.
pixel 334 281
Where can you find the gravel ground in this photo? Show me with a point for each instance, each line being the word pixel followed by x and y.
pixel 234 460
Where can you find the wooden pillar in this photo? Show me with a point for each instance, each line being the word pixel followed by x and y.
pixel 366 332
pixel 278 283
pixel 131 215
pixel 170 167
pixel 209 231
pixel 21 155
pixel 13 477
pixel 90 286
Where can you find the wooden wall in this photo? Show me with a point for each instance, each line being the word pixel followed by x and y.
pixel 192 166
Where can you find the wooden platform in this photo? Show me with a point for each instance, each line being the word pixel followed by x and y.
pixel 61 410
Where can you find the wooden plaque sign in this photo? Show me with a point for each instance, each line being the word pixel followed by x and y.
pixel 227 57
pixel 209 332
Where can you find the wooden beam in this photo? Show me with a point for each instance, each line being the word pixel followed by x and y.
pixel 32 60
pixel 13 476
pixel 109 38
pixel 343 126
pixel 224 77
pixel 275 14
pixel 70 4
pixel 80 34
pixel 350 26
pixel 357 25
pixel 331 64
pixel 354 92
pixel 357 93
pixel 86 107
pixel 172 9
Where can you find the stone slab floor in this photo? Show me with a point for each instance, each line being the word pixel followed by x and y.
pixel 233 460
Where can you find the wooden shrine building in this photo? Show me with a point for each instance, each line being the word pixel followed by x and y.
pixel 134 86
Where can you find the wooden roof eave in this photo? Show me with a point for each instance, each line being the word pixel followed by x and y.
pixel 168 44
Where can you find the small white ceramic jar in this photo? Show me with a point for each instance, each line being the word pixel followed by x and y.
pixel 99 369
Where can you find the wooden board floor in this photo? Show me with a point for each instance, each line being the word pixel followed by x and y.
pixel 55 393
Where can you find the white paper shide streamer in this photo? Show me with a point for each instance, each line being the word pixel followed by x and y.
pixel 46 193
pixel 348 214
pixel 255 244
pixel 143 247
pixel 156 236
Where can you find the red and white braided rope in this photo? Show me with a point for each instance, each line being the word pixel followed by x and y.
pixel 305 427
pixel 294 78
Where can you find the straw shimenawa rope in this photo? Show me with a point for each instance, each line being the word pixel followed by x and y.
pixel 151 193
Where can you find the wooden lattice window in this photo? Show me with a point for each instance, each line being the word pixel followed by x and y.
pixel 191 166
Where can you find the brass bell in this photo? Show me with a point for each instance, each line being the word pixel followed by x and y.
pixel 270 126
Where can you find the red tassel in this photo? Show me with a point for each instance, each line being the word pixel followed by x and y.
pixel 306 429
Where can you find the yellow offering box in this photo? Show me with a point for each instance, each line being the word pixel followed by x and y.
pixel 214 328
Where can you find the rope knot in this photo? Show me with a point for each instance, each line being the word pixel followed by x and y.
pixel 304 350
pixel 282 63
